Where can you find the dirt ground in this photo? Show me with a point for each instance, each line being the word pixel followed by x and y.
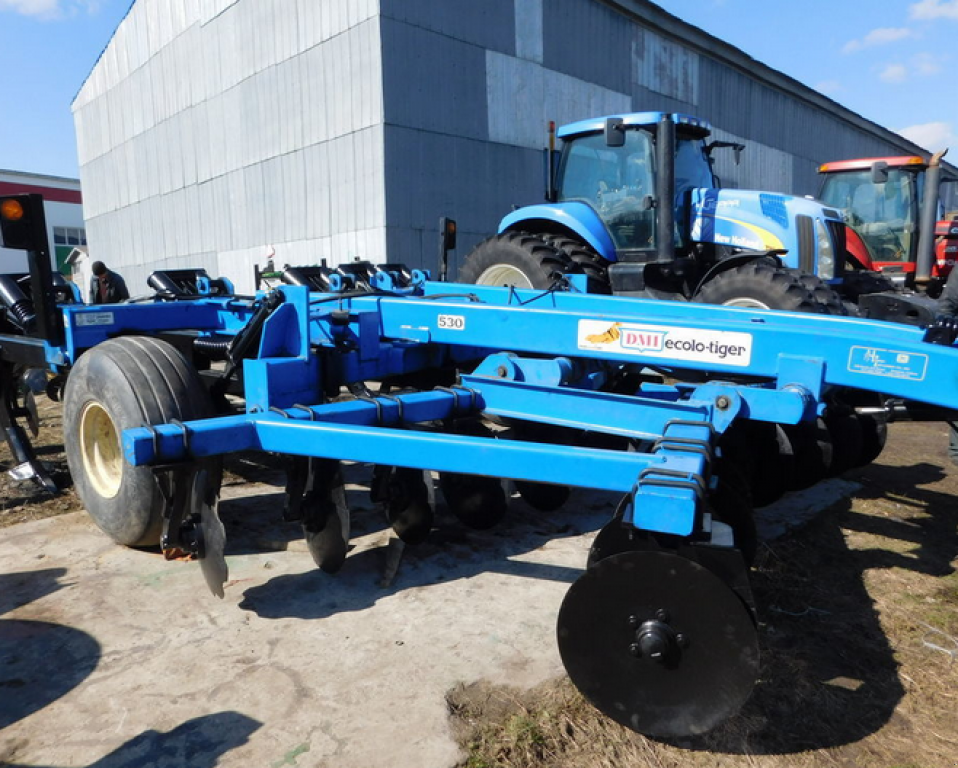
pixel 859 633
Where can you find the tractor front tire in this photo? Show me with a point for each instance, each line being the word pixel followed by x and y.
pixel 758 285
pixel 132 381
pixel 828 300
pixel 514 259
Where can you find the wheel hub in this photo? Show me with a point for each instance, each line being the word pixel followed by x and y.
pixel 100 450
pixel 504 275
pixel 657 641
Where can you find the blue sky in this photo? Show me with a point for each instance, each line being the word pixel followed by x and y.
pixel 888 60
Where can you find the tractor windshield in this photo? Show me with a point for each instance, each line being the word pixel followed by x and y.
pixel 948 195
pixel 614 181
pixel 885 214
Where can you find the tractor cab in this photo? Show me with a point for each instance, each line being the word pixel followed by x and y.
pixel 884 203
pixel 880 198
pixel 611 166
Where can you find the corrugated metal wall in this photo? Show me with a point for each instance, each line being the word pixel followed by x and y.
pixel 215 132
pixel 564 60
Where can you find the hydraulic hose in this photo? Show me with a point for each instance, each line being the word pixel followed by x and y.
pixel 19 308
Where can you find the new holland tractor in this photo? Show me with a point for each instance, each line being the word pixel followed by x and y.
pixel 633 203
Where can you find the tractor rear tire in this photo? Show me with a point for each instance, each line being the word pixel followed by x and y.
pixel 132 381
pixel 515 259
pixel 595 268
pixel 758 285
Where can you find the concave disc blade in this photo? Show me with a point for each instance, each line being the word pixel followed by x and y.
pixel 326 528
pixel 33 421
pixel 407 508
pixel 615 537
pixel 213 537
pixel 698 685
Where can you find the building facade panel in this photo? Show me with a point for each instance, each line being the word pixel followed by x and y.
pixel 489 25
pixel 268 149
pixel 587 41
pixel 433 82
pixel 312 129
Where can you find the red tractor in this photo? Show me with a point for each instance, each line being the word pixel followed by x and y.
pixel 902 216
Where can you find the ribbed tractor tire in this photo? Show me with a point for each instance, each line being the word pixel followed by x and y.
pixel 514 259
pixel 595 268
pixel 829 301
pixel 132 381
pixel 758 285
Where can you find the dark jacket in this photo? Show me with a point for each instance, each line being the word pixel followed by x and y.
pixel 115 289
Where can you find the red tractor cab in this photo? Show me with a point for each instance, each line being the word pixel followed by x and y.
pixel 896 208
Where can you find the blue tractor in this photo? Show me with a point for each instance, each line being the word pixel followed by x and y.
pixel 632 202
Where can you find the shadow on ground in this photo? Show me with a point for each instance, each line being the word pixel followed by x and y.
pixel 197 743
pixel 452 552
pixel 829 675
pixel 40 661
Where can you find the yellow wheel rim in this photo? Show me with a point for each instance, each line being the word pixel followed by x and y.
pixel 100 448
pixel 504 274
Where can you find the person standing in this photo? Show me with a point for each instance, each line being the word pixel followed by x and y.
pixel 107 287
pixel 947 326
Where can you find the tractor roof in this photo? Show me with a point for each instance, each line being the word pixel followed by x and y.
pixel 594 124
pixel 865 163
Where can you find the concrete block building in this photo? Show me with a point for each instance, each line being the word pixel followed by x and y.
pixel 222 133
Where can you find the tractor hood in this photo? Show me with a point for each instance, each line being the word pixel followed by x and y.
pixel 764 221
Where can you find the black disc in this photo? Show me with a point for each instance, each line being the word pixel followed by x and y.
pixel 763 454
pixel 476 500
pixel 615 537
pixel 731 504
pixel 874 433
pixel 544 497
pixel 212 535
pixel 407 505
pixel 658 643
pixel 812 450
pixel 326 519
pixel 846 434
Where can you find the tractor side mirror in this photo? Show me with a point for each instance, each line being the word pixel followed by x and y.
pixel 614 132
pixel 447 242
pixel 879 171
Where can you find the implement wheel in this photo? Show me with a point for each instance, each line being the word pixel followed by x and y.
pixel 514 259
pixel 658 643
pixel 758 285
pixel 122 383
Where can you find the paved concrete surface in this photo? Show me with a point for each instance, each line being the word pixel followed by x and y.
pixel 114 657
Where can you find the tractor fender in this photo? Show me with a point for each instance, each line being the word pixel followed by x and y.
pixel 856 250
pixel 578 218
pixel 732 262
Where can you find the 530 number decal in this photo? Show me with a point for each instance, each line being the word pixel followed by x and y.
pixel 452 322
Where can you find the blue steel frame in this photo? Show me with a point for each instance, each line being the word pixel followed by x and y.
pixel 780 367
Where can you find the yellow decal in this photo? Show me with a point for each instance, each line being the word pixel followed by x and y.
pixel 769 241
pixel 605 338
